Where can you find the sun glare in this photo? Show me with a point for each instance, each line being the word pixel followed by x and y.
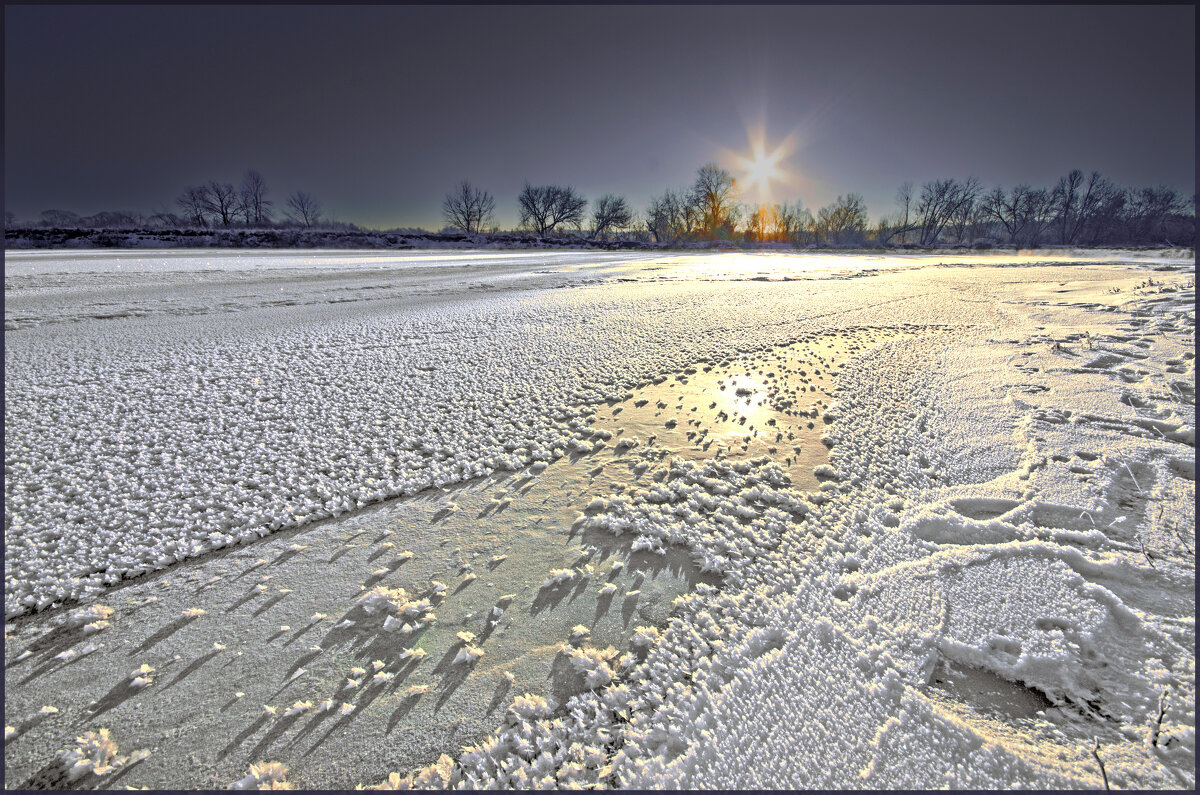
pixel 760 167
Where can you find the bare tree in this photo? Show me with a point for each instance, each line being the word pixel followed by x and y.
pixel 221 202
pixel 545 207
pixel 1039 210
pixel 468 208
pixel 944 202
pixel 113 219
pixel 1110 204
pixel 1150 212
pixel 1067 200
pixel 844 221
pixel 887 228
pixel 786 220
pixel 904 197
pixel 254 205
pixel 612 214
pixel 194 203
pixel 982 224
pixel 241 208
pixel 901 224
pixel 963 209
pixel 1106 220
pixel 1005 209
pixel 715 194
pixel 758 221
pixel 791 222
pixel 165 219
pixel 302 208
pixel 637 228
pixel 779 223
pixel 60 218
pixel 1024 213
pixel 933 209
pixel 664 218
pixel 1082 209
pixel 691 212
pixel 674 216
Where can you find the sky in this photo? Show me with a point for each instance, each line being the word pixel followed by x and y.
pixel 378 111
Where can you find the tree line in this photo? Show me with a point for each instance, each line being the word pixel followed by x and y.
pixel 1084 210
pixel 1080 209
pixel 212 205
pixel 220 204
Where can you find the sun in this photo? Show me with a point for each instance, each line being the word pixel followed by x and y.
pixel 760 167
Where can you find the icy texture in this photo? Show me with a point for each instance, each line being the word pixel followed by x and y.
pixel 265 775
pixel 972 538
pixel 93 756
pixel 158 441
pixel 997 567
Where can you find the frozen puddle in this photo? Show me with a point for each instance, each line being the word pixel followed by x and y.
pixel 777 404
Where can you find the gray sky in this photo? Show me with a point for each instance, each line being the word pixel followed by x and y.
pixel 379 110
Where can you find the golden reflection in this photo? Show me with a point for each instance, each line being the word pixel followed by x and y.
pixel 772 404
pixel 776 403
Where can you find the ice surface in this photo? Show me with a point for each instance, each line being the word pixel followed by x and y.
pixel 990 563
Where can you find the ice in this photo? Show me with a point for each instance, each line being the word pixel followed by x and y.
pixel 980 559
pixel 265 775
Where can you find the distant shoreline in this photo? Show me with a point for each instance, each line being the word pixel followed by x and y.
pixel 126 239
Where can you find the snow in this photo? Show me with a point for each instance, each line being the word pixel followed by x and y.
pixel 979 557
pixel 177 261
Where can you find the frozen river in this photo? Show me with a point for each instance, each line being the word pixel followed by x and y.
pixel 56 286
pixel 942 502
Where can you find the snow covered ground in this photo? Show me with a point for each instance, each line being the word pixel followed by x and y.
pixel 691 520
